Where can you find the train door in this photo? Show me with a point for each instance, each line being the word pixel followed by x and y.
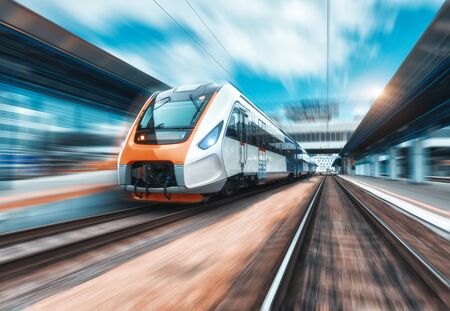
pixel 242 135
pixel 262 156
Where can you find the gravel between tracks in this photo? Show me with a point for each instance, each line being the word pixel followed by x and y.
pixel 194 271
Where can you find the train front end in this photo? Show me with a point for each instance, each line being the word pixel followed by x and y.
pixel 151 163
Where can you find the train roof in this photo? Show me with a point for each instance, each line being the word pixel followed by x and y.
pixel 184 91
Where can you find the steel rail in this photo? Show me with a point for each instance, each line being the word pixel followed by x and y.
pixel 20 265
pixel 296 241
pixel 435 280
pixel 23 235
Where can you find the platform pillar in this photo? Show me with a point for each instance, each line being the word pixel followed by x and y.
pixel 417 161
pixel 361 169
pixel 348 166
pixel 376 166
pixel 393 174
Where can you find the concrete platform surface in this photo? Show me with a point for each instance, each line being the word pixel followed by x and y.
pixel 435 194
pixel 47 200
pixel 428 203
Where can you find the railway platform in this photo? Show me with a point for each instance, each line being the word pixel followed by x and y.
pixel 427 203
pixel 434 194
pixel 42 201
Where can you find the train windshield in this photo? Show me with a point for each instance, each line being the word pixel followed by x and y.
pixel 169 114
pixel 170 121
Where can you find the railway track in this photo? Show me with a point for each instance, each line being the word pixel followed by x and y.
pixel 21 236
pixel 344 257
pixel 25 251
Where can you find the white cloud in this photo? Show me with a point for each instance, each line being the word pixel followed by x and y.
pixel 285 40
pixel 176 61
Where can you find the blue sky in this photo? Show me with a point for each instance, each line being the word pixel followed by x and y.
pixel 274 51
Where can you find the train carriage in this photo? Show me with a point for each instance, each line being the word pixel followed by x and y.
pixel 193 142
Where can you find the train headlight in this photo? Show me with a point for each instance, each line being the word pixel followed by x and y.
pixel 211 138
pixel 141 137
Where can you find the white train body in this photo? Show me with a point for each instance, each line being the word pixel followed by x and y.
pixel 231 144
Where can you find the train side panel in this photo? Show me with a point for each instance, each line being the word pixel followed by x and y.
pixel 204 169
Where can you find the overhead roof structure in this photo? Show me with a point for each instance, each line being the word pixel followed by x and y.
pixel 39 55
pixel 416 99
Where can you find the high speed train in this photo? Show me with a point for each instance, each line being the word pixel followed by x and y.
pixel 193 142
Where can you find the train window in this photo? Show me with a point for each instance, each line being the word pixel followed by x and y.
pixel 280 147
pixel 266 140
pixel 262 136
pixel 248 126
pixel 233 125
pixel 239 128
pixel 251 134
pixel 242 128
pixel 255 134
pixel 273 143
pixel 169 114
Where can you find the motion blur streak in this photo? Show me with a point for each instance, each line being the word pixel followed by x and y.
pixel 42 135
pixel 64 105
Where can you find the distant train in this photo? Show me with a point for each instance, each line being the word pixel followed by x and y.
pixel 193 142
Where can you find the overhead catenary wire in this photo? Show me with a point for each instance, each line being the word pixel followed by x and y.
pixel 197 42
pixel 221 45
pixel 328 70
pixel 193 39
pixel 208 28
